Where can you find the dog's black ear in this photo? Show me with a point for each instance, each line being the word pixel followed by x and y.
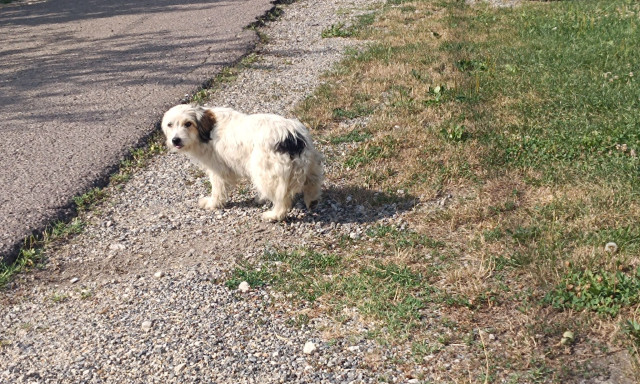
pixel 206 124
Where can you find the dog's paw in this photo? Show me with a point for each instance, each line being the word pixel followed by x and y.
pixel 209 203
pixel 273 216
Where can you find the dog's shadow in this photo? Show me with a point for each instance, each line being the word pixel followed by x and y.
pixel 343 205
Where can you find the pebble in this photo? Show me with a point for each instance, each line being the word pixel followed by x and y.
pixel 244 287
pixel 309 348
pixel 178 368
pixel 116 247
pixel 74 280
pixel 146 326
pixel 158 274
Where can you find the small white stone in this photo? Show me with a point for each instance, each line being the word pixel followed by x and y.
pixel 116 247
pixel 74 280
pixel 146 326
pixel 244 287
pixel 354 348
pixel 413 381
pixel 108 223
pixel 309 347
pixel 158 274
pixel 178 368
pixel 354 235
pixel 611 247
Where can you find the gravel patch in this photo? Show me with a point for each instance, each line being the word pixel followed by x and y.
pixel 138 297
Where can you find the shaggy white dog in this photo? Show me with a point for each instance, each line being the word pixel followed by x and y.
pixel 275 153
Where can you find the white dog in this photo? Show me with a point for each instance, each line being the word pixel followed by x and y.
pixel 275 153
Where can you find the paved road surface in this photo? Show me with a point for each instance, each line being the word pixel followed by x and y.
pixel 81 82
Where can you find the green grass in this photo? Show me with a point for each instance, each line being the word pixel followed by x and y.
pixel 337 30
pixel 573 70
pixel 402 239
pixel 355 136
pixel 28 257
pixel 59 297
pixel 370 152
pixel 89 199
pixel 602 292
pixel 528 117
pixel 391 293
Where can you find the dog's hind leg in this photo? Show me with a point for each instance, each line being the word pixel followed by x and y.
pixel 277 192
pixel 281 205
pixel 312 188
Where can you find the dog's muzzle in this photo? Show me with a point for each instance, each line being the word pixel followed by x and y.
pixel 177 142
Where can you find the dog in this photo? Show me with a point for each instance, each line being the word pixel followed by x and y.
pixel 275 153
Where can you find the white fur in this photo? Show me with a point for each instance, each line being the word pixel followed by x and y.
pixel 244 146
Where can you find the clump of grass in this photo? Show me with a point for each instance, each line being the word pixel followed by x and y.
pixel 59 297
pixel 391 293
pixel 28 257
pixel 337 30
pixel 355 136
pixel 602 292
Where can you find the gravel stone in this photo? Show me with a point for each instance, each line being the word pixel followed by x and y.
pixel 178 368
pixel 244 287
pixel 309 348
pixel 146 326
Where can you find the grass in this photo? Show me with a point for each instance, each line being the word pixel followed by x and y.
pixel 387 292
pixel 530 123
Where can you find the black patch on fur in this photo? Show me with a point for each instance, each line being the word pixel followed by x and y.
pixel 293 145
pixel 206 124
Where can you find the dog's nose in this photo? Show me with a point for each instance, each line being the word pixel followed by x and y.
pixel 176 141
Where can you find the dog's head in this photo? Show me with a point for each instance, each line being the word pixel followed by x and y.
pixel 186 126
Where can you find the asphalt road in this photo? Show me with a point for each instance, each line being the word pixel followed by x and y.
pixel 82 82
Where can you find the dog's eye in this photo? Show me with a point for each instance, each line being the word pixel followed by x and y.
pixel 187 124
pixel 170 125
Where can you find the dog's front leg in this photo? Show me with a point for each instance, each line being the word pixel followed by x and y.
pixel 219 193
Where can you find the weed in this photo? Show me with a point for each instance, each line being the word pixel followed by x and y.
pixel 402 239
pixel 358 110
pixel 255 277
pixel 420 349
pixel 86 294
pixel 337 30
pixel 631 328
pixel 62 229
pixel 455 133
pixel 355 136
pixel 602 292
pixel 59 297
pixel 89 199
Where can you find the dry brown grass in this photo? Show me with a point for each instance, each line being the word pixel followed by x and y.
pixel 486 217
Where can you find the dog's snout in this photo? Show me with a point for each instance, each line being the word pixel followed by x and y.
pixel 176 141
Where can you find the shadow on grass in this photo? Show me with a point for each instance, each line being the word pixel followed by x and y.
pixel 346 205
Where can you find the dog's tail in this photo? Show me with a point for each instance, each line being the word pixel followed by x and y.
pixel 312 188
